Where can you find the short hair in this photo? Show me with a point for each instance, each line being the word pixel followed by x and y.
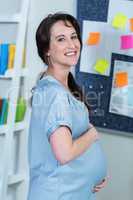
pixel 43 32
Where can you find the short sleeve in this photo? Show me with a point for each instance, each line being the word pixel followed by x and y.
pixel 59 114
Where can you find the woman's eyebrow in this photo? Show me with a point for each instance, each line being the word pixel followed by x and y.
pixel 62 35
pixel 74 33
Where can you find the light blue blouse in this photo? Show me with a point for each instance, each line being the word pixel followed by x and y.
pixel 53 106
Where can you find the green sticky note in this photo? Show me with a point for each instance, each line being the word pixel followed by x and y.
pixel 119 21
pixel 101 66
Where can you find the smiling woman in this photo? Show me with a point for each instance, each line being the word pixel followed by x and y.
pixel 65 157
pixel 64 48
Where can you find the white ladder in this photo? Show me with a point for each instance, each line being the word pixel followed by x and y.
pixel 6 177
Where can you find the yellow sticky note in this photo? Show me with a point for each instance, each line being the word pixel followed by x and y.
pixel 101 66
pixel 94 38
pixel 119 21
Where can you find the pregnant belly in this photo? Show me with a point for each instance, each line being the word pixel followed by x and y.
pixel 88 169
pixel 95 164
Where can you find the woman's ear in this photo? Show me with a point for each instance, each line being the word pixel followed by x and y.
pixel 48 54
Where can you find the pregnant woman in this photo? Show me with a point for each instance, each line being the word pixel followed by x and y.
pixel 66 161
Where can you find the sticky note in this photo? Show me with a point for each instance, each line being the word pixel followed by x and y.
pixel 121 79
pixel 119 21
pixel 126 41
pixel 131 24
pixel 94 38
pixel 101 66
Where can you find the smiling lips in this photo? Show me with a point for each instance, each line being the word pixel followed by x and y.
pixel 71 53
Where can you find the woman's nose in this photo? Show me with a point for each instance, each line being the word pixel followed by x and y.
pixel 71 43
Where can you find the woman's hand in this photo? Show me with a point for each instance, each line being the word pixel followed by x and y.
pixel 101 185
pixel 93 133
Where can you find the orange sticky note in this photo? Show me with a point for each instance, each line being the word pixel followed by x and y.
pixel 131 24
pixel 121 79
pixel 94 38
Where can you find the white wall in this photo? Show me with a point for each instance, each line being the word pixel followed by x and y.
pixel 119 149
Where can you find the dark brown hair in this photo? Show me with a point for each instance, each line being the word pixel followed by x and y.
pixel 43 35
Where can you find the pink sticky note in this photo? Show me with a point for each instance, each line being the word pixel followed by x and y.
pixel 126 41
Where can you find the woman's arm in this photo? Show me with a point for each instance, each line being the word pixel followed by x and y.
pixel 66 149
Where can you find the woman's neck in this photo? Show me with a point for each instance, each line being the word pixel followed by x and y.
pixel 61 76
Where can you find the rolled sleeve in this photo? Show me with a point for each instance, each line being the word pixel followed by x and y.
pixel 59 114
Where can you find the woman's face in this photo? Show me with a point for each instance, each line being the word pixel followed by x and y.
pixel 64 47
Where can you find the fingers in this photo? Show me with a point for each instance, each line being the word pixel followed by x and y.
pixel 98 187
pixel 94 134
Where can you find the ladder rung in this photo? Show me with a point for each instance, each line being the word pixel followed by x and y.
pixel 10 73
pixel 3 129
pixel 14 18
pixel 18 126
pixel 17 178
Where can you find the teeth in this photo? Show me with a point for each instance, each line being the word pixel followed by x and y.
pixel 70 53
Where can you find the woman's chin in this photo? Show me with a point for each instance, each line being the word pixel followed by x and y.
pixel 72 63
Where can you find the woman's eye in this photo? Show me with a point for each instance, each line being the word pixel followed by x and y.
pixel 61 39
pixel 74 37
